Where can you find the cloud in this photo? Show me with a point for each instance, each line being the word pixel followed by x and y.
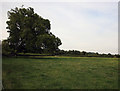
pixel 84 29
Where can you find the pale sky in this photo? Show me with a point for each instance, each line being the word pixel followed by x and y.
pixel 83 26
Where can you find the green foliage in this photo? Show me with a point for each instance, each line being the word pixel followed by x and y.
pixel 84 54
pixel 51 45
pixel 6 50
pixel 60 73
pixel 29 32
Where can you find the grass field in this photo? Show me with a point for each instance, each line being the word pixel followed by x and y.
pixel 60 73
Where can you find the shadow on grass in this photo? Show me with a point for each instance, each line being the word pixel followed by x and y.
pixel 44 58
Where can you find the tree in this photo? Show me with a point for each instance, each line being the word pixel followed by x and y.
pixel 48 43
pixel 29 32
pixel 84 53
pixel 5 48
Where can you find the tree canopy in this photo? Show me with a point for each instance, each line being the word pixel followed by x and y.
pixel 29 32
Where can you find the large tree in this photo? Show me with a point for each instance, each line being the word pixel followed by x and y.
pixel 29 32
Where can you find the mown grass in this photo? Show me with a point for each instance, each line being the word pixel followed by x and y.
pixel 60 73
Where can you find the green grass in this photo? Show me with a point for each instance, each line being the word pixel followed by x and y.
pixel 60 73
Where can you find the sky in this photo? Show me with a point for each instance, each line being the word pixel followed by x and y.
pixel 83 26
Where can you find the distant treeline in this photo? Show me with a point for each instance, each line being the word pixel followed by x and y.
pixel 6 51
pixel 84 54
